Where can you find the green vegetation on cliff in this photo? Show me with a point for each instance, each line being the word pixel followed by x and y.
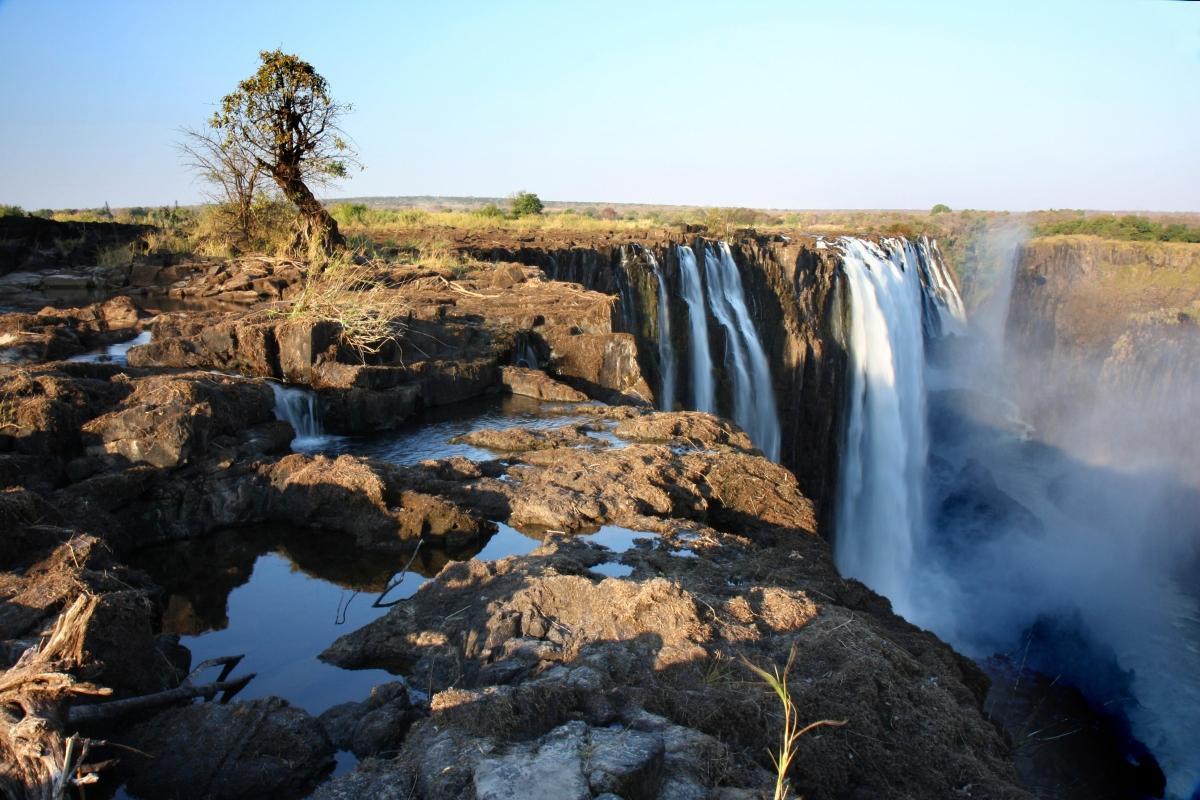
pixel 1128 227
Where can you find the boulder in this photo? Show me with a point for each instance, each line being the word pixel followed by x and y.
pixel 376 726
pixel 258 748
pixel 603 365
pixel 538 385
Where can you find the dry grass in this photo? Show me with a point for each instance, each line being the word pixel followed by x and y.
pixel 370 313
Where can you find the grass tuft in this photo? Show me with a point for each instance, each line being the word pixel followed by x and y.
pixel 792 731
pixel 350 293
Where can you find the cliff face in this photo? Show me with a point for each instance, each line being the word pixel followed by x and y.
pixel 1115 323
pixel 791 292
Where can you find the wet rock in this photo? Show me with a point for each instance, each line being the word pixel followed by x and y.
pixel 538 385
pixel 257 748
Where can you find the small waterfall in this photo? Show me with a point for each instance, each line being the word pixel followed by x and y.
pixel 298 407
pixel 703 386
pixel 880 506
pixel 746 362
pixel 666 351
pixel 525 354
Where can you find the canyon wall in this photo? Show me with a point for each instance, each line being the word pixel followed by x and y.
pixel 1116 323
pixel 791 292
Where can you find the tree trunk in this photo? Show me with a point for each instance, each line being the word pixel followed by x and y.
pixel 316 230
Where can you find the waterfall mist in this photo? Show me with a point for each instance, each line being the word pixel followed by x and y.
pixel 1075 553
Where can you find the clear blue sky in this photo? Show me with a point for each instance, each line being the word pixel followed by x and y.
pixel 1051 103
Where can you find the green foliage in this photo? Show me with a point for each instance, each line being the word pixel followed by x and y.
pixel 1128 227
pixel 11 211
pixel 284 115
pixel 940 208
pixel 490 210
pixel 526 204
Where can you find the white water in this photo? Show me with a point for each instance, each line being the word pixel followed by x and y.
pixel 745 361
pixel 666 352
pixel 703 385
pixel 298 407
pixel 1109 546
pixel 880 507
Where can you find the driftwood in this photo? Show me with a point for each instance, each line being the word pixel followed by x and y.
pixel 40 758
pixel 37 760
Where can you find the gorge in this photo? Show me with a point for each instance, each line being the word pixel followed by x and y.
pixel 585 561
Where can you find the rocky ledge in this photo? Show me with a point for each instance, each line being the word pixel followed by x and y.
pixel 611 660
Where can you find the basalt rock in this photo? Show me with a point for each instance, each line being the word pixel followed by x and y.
pixel 375 726
pixel 257 748
pixel 538 385
pixel 57 333
pixel 521 440
pixel 168 420
pixel 550 650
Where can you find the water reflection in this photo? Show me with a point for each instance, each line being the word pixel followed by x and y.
pixel 281 595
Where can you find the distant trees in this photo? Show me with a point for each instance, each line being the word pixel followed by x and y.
pixel 1129 226
pixel 11 211
pixel 282 123
pixel 526 204
pixel 940 208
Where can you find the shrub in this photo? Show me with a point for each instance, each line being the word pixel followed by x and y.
pixel 940 208
pixel 350 213
pixel 1129 227
pixel 11 211
pixel 490 210
pixel 526 204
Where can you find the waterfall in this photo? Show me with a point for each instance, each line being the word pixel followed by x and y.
pixel 703 388
pixel 880 507
pixel 666 351
pixel 298 407
pixel 745 361
pixel 942 306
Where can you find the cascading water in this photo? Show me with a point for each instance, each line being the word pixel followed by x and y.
pixel 880 509
pixel 999 543
pixel 703 386
pixel 753 393
pixel 666 350
pixel 298 408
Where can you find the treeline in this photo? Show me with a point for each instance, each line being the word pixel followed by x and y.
pixel 1129 227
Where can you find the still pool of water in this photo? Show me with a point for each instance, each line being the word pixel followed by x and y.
pixel 281 595
pixel 429 435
